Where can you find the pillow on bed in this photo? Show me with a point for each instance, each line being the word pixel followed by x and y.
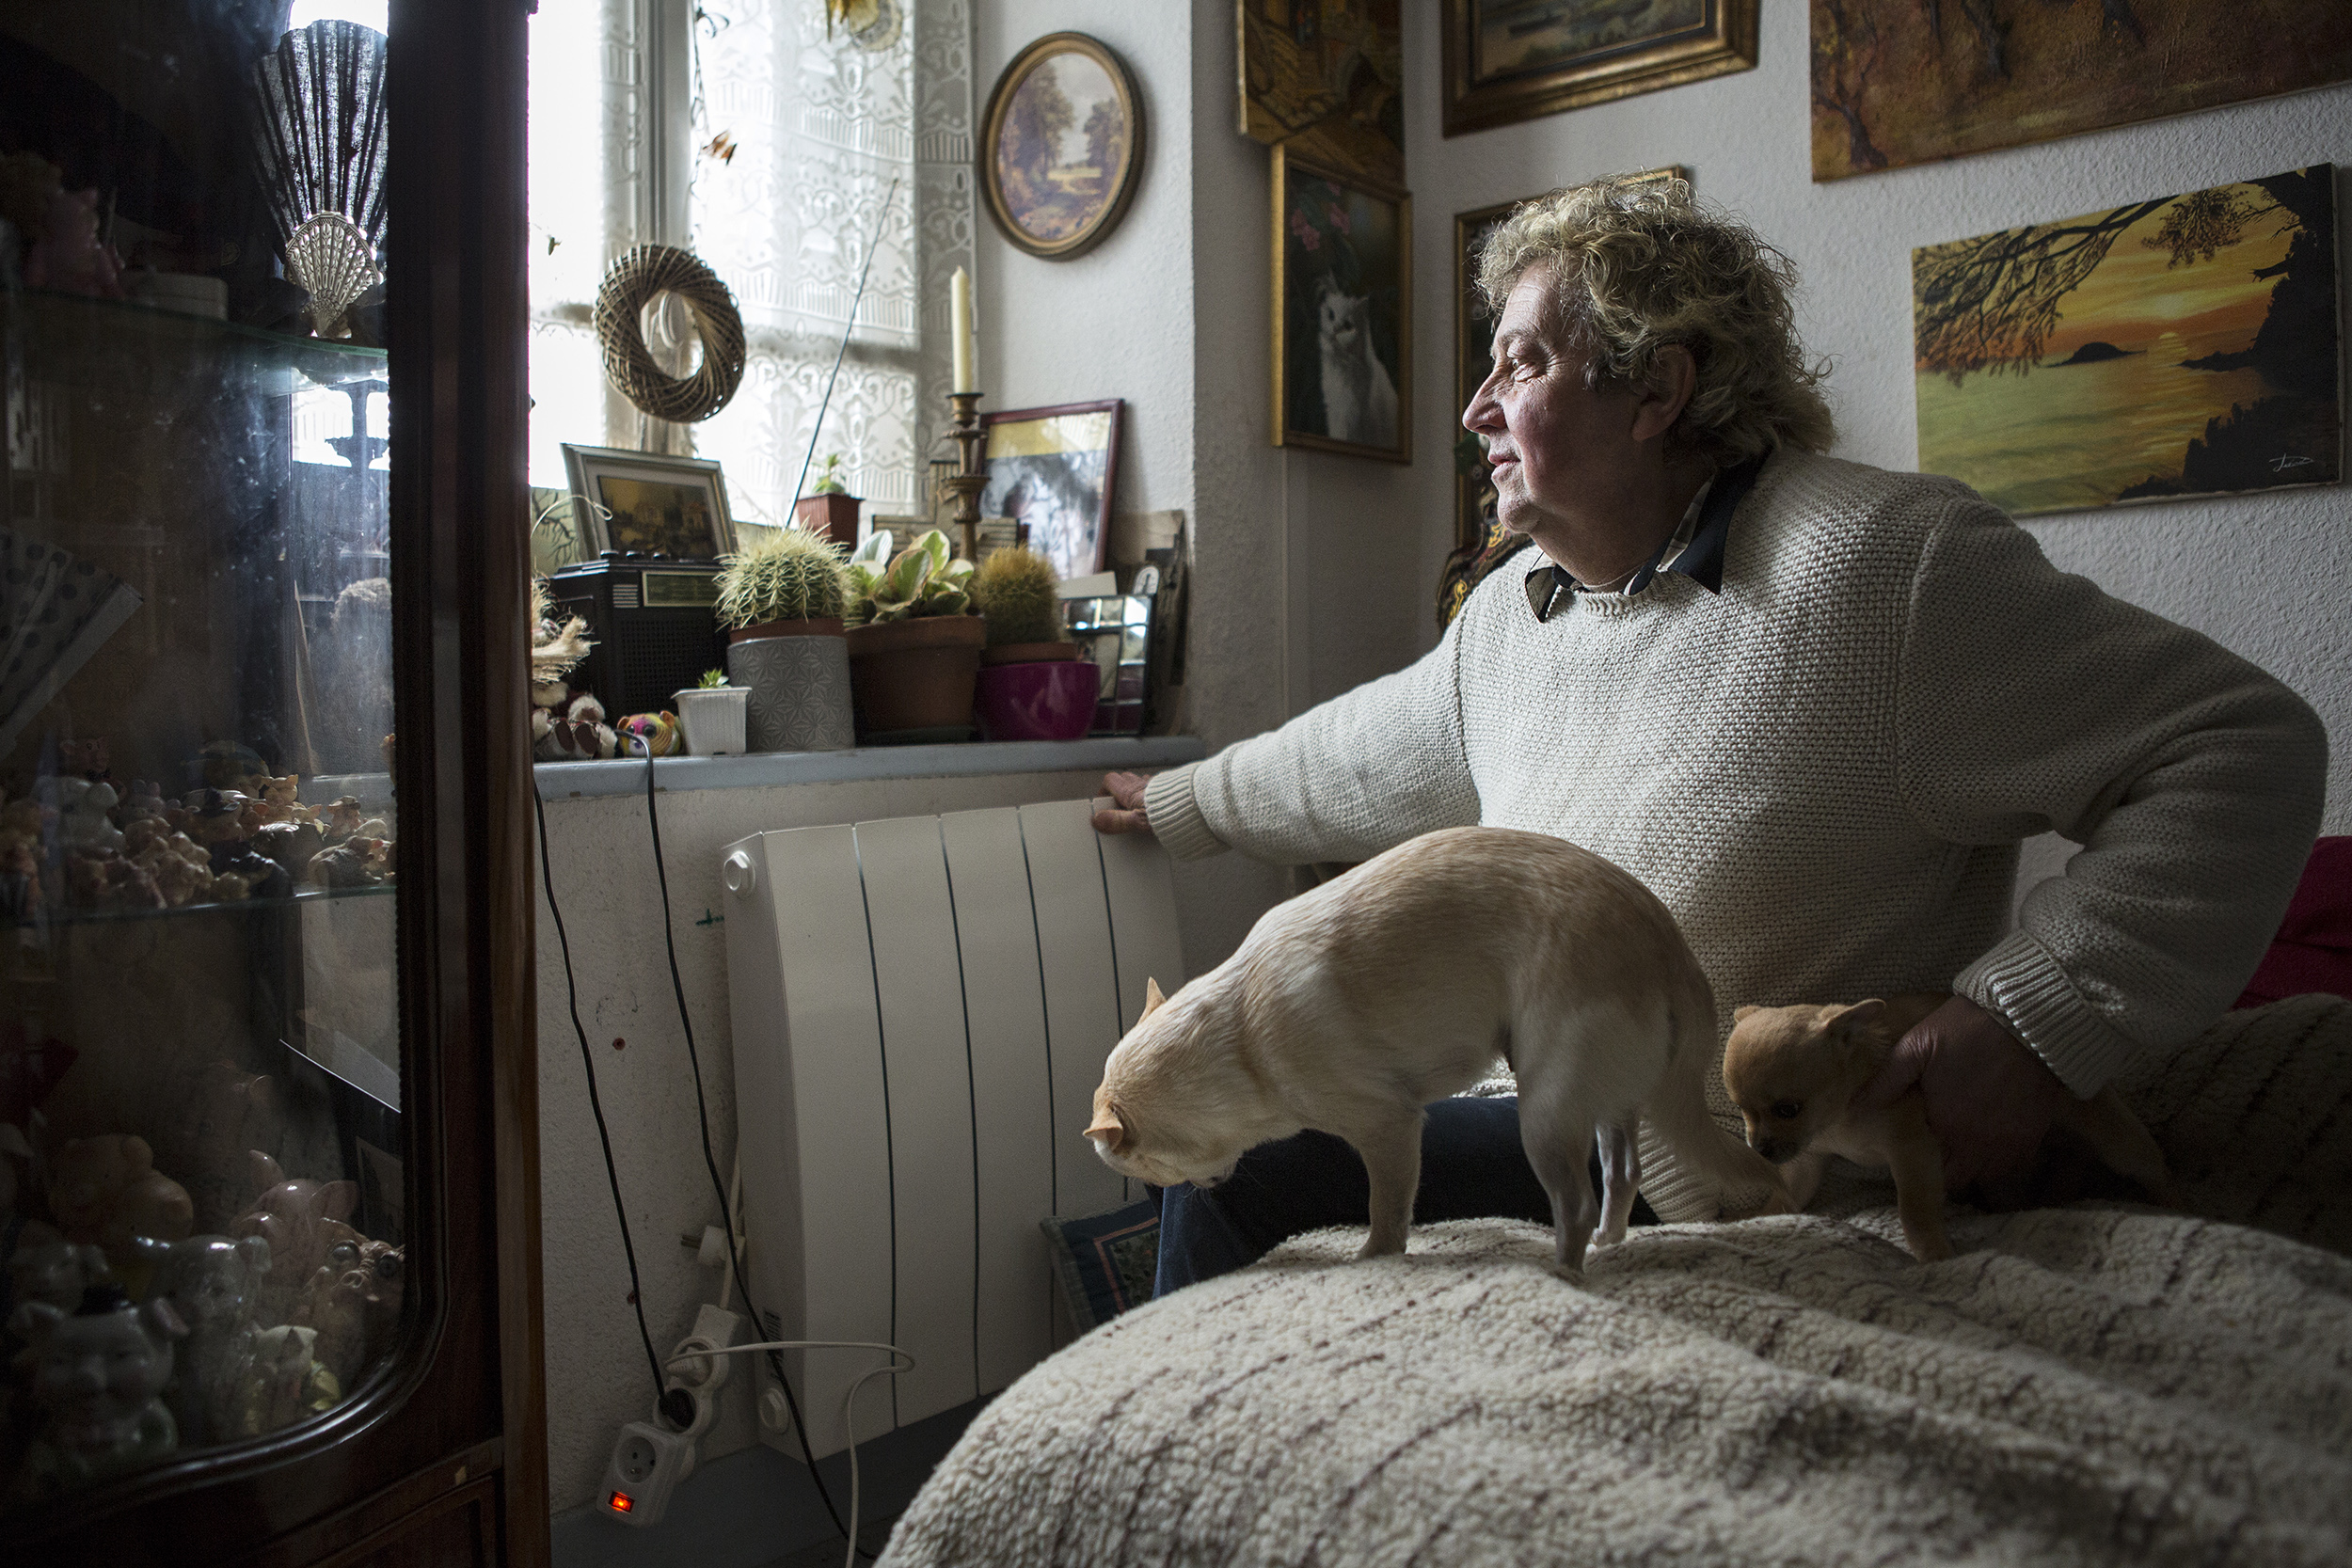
pixel 1105 1261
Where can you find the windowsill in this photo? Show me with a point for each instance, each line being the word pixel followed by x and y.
pixel 768 769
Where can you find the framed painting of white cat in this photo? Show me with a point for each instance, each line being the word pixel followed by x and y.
pixel 1342 311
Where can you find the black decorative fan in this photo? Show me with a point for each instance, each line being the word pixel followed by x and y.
pixel 319 129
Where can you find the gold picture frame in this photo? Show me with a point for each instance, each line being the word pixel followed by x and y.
pixel 1041 206
pixel 1342 311
pixel 1509 60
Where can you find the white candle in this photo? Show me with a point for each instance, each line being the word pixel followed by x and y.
pixel 959 330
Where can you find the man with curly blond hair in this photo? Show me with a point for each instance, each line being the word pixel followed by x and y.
pixel 1814 706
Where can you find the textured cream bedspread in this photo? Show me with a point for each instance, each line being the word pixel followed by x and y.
pixel 2094 1383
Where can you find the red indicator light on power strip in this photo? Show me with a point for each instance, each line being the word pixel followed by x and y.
pixel 620 1502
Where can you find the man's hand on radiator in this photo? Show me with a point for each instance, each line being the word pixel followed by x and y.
pixel 1127 815
pixel 1990 1099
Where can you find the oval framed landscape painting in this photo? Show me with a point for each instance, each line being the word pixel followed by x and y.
pixel 1062 146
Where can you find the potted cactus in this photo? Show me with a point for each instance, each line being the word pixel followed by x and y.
pixel 1032 683
pixel 714 715
pixel 782 602
pixel 915 645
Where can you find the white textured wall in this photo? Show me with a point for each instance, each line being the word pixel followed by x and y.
pixel 2268 576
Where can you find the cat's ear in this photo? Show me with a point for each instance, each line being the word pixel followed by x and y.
pixel 1107 1130
pixel 1152 999
pixel 1741 1015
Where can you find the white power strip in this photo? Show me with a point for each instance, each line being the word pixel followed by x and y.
pixel 651 1458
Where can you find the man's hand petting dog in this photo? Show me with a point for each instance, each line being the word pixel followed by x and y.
pixel 1990 1101
pixel 1126 816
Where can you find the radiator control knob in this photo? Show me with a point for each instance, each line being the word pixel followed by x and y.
pixel 739 874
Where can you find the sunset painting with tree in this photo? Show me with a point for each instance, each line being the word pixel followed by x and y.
pixel 2185 345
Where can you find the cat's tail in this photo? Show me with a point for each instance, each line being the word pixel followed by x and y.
pixel 1714 1175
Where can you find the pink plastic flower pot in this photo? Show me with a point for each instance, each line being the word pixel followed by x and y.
pixel 1038 701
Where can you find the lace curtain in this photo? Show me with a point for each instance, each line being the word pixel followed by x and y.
pixel 819 130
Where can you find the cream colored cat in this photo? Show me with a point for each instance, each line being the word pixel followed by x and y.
pixel 1352 1007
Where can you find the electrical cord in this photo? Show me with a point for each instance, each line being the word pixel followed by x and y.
pixel 711 1163
pixel 604 1137
pixel 849 1403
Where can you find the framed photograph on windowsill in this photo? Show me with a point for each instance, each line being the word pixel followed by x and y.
pixel 651 503
pixel 1055 470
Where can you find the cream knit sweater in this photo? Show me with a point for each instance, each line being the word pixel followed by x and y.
pixel 1825 770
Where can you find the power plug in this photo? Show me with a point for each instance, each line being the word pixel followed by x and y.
pixel 647 1463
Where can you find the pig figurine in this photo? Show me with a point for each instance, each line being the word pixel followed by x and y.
pixel 285 1382
pixel 354 1302
pixel 212 1282
pixel 106 1190
pixel 100 1370
pixel 46 1267
pixel 300 1219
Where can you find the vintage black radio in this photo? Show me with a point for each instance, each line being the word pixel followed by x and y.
pixel 651 617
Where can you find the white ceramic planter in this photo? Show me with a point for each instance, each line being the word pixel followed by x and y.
pixel 714 719
pixel 800 692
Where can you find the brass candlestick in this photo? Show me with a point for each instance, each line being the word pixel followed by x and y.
pixel 971 477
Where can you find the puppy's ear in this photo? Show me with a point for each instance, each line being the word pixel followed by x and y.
pixel 1861 1015
pixel 1741 1015
pixel 1108 1129
pixel 1152 999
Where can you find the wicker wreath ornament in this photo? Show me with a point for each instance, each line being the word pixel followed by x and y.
pixel 629 286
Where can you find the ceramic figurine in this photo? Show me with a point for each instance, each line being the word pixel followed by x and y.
pixel 239 871
pixel 280 797
pixel 300 1219
pixel 354 1303
pixel 345 865
pixel 181 870
pixel 107 1191
pixel 142 802
pixel 291 844
pixel 284 1382
pixel 213 1283
pixel 342 819
pixel 98 1369
pixel 233 1110
pixel 88 757
pixel 224 764
pixel 20 877
pixel 82 822
pixel 66 253
pixel 47 1267
pixel 106 880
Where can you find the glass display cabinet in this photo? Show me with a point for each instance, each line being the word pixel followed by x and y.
pixel 268 1226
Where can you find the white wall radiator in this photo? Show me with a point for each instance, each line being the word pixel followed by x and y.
pixel 922 1007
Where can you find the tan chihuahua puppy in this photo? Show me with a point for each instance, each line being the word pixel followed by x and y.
pixel 1794 1073
pixel 1349 1008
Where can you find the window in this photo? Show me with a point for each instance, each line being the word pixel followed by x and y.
pixel 739 130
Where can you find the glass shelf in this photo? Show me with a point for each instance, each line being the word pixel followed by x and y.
pixel 52 919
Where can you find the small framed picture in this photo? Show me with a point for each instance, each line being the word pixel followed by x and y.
pixel 1509 60
pixel 1342 311
pixel 649 503
pixel 1055 469
pixel 1061 145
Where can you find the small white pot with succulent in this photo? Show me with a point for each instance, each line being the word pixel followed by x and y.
pixel 781 603
pixel 714 715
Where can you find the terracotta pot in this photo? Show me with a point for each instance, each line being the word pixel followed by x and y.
pixel 1029 653
pixel 1047 700
pixel 832 516
pixel 914 674
pixel 826 626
